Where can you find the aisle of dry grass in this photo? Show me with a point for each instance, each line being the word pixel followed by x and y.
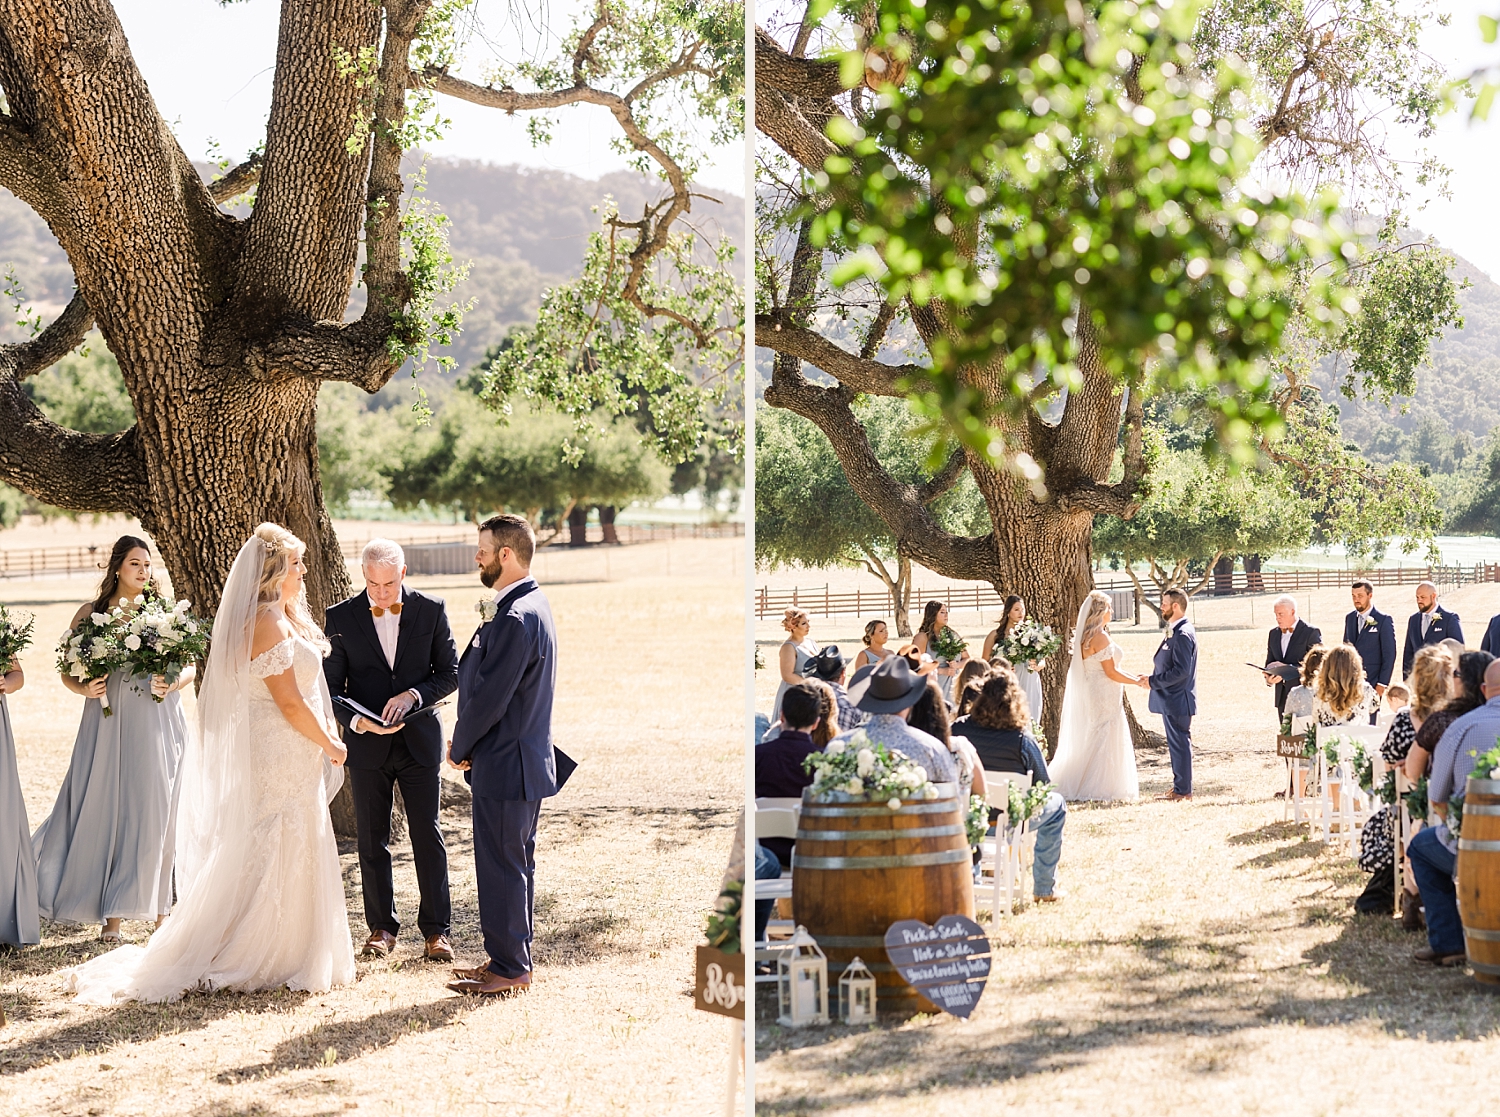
pixel 629 859
pixel 1206 958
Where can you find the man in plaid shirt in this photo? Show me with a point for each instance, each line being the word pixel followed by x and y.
pixel 830 666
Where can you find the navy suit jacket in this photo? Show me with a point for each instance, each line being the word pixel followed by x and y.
pixel 1444 626
pixel 506 680
pixel 1376 647
pixel 1174 673
pixel 356 667
pixel 1491 641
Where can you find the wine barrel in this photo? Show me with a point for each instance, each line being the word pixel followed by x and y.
pixel 858 867
pixel 1479 878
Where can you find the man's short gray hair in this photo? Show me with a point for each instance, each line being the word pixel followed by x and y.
pixel 1285 599
pixel 383 552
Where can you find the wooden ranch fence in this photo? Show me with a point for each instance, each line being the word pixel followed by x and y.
pixel 824 602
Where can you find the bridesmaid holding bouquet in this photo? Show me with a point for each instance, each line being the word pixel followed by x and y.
pixel 105 853
pixel 19 923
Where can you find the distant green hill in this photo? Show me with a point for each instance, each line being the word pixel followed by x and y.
pixel 522 230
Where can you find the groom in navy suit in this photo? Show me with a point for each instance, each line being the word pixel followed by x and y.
pixel 1173 684
pixel 503 742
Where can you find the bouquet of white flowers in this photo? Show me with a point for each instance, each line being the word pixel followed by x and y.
pixel 1029 643
pixel 947 644
pixel 92 650
pixel 859 769
pixel 15 637
pixel 161 637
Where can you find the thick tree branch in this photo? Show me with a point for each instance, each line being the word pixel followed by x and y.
pixel 237 180
pixel 355 353
pixel 794 76
pixel 783 122
pixel 65 334
pixel 858 373
pixel 945 478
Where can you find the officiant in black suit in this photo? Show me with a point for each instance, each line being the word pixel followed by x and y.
pixel 1286 647
pixel 393 653
pixel 1430 624
pixel 1373 635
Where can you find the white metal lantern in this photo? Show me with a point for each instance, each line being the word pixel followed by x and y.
pixel 857 993
pixel 802 981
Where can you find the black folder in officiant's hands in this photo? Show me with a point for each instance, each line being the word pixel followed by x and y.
pixel 370 715
pixel 1288 673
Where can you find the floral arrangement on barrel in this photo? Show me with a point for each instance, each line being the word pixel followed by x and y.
pixel 858 769
pixel 92 651
pixel 15 637
pixel 160 637
pixel 1029 643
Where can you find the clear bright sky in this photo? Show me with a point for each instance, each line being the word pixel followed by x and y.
pixel 209 68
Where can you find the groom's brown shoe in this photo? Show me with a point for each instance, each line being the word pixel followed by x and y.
pixel 491 985
pixel 1174 797
pixel 379 944
pixel 438 949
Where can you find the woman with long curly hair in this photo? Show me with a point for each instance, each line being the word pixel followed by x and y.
pixel 105 853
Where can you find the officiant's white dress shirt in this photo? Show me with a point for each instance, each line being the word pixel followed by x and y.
pixel 388 629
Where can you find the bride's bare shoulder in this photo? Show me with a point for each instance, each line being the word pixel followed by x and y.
pixel 1096 643
pixel 271 628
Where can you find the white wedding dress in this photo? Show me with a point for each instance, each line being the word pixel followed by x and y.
pixel 260 892
pixel 1094 759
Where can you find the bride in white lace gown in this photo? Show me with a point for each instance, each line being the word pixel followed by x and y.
pixel 1094 758
pixel 260 895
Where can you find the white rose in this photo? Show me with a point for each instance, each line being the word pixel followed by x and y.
pixel 835 748
pixel 855 786
pixel 183 607
pixel 930 792
pixel 133 642
pixel 192 626
pixel 99 618
pixel 894 804
pixel 864 761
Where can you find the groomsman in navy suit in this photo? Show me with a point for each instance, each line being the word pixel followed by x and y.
pixel 1430 624
pixel 502 742
pixel 1173 684
pixel 1491 641
pixel 1373 635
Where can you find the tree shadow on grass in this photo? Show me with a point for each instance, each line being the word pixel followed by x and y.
pixel 1175 986
pixel 344 1040
pixel 140 1023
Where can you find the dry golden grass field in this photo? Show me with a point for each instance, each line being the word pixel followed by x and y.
pixel 629 860
pixel 1206 958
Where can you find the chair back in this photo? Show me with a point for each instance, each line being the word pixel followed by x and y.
pixel 775 822
pixel 997 786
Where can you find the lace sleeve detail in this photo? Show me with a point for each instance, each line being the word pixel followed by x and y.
pixel 274 660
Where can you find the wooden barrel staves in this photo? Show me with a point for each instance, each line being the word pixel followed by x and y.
pixel 1479 878
pixel 858 867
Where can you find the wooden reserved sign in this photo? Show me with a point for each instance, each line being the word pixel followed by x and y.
pixel 1291 747
pixel 720 987
pixel 947 962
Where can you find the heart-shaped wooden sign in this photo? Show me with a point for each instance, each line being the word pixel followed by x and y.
pixel 947 961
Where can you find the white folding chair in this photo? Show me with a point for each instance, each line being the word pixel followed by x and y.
pixel 1003 859
pixel 774 821
pixel 1348 812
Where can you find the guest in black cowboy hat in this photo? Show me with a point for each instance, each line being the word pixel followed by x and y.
pixel 830 666
pixel 887 692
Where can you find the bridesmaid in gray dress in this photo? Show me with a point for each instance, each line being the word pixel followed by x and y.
pixel 105 853
pixel 19 925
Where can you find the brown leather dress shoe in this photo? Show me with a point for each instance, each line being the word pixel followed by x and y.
pixel 478 973
pixel 379 944
pixel 492 985
pixel 438 949
pixel 1174 797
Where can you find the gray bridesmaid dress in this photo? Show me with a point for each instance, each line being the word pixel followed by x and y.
pixel 106 850
pixel 19 925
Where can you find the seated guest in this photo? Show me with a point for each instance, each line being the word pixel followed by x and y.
pixel 1430 624
pixel 1286 648
pixel 1465 693
pixel 970 695
pixel 1397 697
pixel 828 713
pixel 778 762
pixel 767 867
pixel 974 671
pixel 1302 700
pixel 1344 696
pixel 1430 674
pixel 829 666
pixel 887 692
pixel 1433 850
pixel 930 715
pixel 996 727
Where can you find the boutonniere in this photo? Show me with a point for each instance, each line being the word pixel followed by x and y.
pixel 1371 622
pixel 486 607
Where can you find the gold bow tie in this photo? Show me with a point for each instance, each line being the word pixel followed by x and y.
pixel 379 612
